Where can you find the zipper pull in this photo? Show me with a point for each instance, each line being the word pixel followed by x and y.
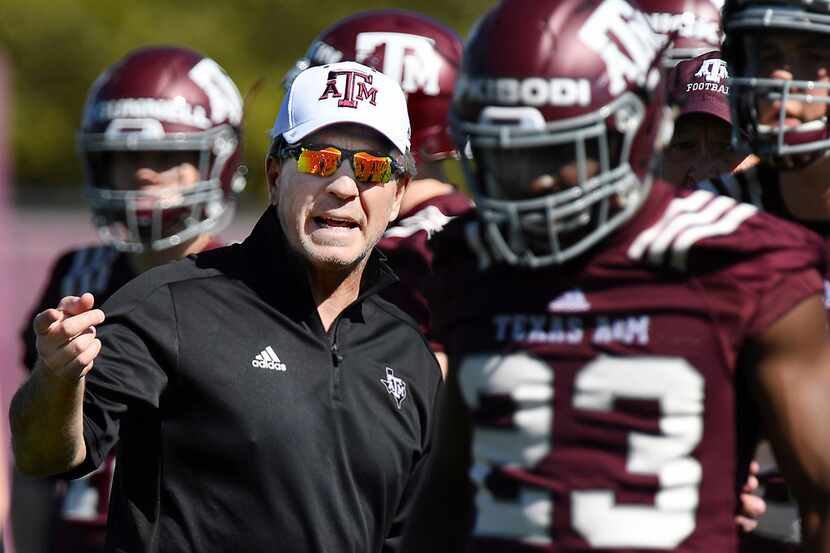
pixel 336 358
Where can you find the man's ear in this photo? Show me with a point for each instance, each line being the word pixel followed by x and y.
pixel 272 175
pixel 400 190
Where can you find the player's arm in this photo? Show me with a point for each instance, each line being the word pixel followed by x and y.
pixel 46 413
pixel 792 386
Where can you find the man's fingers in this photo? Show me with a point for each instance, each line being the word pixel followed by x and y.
pixel 44 320
pixel 73 305
pixel 82 363
pixel 87 358
pixel 57 346
pixel 746 525
pixel 67 302
pixel 73 326
pixel 64 355
pixel 748 162
pixel 67 307
pixel 751 484
pixel 752 506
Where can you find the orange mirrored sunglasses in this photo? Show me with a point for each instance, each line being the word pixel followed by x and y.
pixel 323 160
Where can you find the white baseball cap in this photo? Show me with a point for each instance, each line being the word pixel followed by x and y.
pixel 343 92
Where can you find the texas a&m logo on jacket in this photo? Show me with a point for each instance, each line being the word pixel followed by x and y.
pixel 395 386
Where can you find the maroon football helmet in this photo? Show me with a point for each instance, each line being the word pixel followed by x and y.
pixel 778 53
pixel 422 54
pixel 163 100
pixel 693 26
pixel 560 108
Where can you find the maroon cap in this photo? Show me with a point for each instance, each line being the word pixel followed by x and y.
pixel 699 85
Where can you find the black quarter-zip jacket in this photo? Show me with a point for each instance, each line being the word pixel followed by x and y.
pixel 242 425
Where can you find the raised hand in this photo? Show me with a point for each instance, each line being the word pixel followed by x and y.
pixel 66 341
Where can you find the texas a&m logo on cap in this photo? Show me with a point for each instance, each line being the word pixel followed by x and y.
pixel 354 88
pixel 713 70
pixel 711 76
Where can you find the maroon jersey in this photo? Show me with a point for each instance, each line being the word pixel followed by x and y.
pixel 102 270
pixel 779 529
pixel 759 186
pixel 405 244
pixel 604 392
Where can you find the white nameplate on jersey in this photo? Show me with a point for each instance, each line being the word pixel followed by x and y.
pixel 616 23
pixel 557 329
pixel 827 294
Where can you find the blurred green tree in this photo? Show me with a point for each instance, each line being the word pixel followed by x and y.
pixel 57 47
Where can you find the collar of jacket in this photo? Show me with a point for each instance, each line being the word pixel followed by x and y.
pixel 279 272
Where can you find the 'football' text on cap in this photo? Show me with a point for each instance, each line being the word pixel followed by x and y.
pixel 701 85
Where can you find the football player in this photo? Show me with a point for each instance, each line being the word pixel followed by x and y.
pixel 423 55
pixel 701 144
pixel 594 315
pixel 160 142
pixel 779 59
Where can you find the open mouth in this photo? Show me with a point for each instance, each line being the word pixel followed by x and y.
pixel 334 222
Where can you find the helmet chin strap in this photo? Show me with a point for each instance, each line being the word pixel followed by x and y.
pixel 664 134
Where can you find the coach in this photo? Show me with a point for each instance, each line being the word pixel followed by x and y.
pixel 263 396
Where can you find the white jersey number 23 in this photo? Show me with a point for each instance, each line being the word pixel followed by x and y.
pixel 602 522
